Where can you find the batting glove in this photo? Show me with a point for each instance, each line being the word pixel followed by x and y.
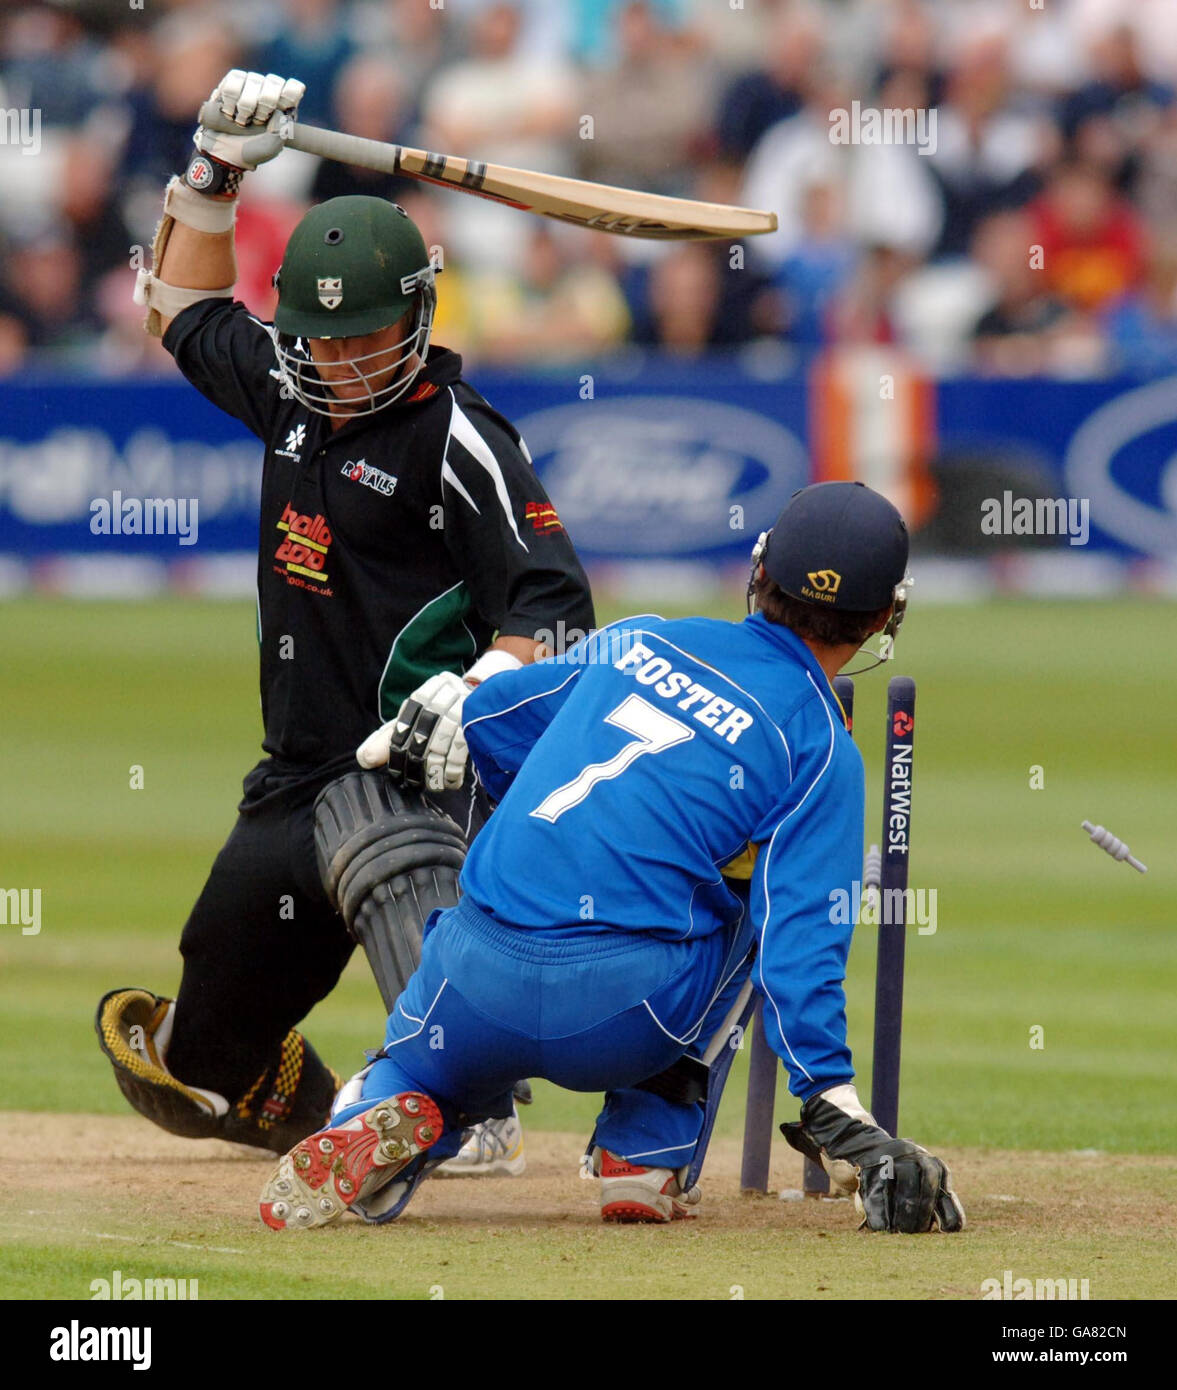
pixel 897 1185
pixel 424 745
pixel 251 104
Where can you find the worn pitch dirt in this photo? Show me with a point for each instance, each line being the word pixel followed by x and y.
pixel 84 1191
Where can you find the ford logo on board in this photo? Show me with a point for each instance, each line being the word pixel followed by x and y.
pixel 663 475
pixel 1139 427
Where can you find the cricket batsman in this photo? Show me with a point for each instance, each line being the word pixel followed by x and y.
pixel 596 942
pixel 407 552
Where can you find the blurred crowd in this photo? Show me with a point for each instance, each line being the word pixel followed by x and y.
pixel 1035 231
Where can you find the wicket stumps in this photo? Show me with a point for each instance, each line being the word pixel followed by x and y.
pixel 889 961
pixel 896 841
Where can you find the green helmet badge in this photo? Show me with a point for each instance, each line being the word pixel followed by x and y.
pixel 331 291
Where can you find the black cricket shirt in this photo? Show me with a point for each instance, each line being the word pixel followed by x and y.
pixel 392 548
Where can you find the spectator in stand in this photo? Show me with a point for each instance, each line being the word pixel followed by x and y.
pixel 691 300
pixel 1156 191
pixel 416 37
pixel 1110 118
pixel 499 105
pixel 1142 327
pixel 499 102
pixel 1015 335
pixel 50 76
pixel 310 38
pixel 191 54
pixel 908 51
pixel 14 342
pixel 683 303
pixel 50 65
pixel 369 101
pixel 14 336
pixel 891 197
pixel 42 292
pixel 988 150
pixel 862 313
pixel 593 32
pixel 564 308
pixel 1150 20
pixel 545 29
pixel 820 267
pixel 123 349
pixel 1093 241
pixel 89 209
pixel 736 39
pixel 650 110
pixel 263 228
pixel 774 90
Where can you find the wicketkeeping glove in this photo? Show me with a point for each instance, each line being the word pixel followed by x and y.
pixel 427 747
pixel 424 745
pixel 898 1186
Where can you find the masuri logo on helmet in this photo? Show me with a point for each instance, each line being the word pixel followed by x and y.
pixel 859 530
pixel 825 585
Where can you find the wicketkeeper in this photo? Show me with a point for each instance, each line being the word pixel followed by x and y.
pixel 407 553
pixel 596 942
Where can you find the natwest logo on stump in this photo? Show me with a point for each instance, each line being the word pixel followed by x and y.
pixel 304 548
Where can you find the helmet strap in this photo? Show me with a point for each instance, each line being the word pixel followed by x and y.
pixel 890 629
pixel 759 551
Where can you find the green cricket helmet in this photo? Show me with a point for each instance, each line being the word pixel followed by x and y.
pixel 353 266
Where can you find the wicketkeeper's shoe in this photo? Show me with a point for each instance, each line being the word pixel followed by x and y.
pixel 319 1179
pixel 494 1149
pixel 630 1192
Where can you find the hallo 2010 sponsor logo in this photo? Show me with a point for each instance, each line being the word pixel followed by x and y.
pixel 303 551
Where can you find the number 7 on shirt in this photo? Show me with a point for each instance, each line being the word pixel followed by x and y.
pixel 654 732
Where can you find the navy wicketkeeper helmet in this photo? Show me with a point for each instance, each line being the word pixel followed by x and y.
pixel 841 546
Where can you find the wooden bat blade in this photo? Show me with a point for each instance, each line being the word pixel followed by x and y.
pixel 625 211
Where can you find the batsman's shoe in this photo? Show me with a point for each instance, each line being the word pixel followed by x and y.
pixel 630 1192
pixel 319 1179
pixel 493 1149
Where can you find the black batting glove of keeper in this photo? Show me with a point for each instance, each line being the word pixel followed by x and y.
pixel 900 1187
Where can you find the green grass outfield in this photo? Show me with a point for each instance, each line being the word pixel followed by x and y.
pixel 1036 926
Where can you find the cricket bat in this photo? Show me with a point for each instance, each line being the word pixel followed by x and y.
pixel 622 210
